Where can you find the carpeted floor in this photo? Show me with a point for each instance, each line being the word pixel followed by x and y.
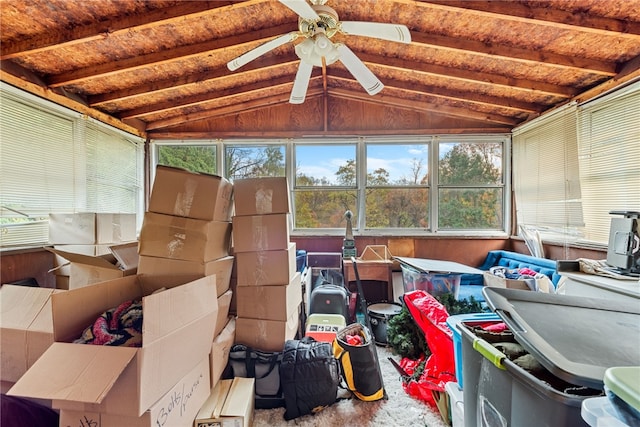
pixel 399 409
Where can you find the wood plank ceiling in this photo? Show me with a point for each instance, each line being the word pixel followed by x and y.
pixel 158 67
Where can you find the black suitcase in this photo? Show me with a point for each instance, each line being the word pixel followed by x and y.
pixel 330 296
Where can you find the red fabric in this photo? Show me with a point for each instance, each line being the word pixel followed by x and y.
pixel 431 318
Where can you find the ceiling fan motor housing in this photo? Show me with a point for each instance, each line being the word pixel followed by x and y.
pixel 327 24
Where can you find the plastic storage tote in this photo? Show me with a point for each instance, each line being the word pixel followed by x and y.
pixel 453 322
pixel 575 339
pixel 434 283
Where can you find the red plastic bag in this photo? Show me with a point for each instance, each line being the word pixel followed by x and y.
pixel 431 318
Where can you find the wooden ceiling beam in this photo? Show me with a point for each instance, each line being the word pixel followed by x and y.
pixel 193 80
pixel 103 29
pixel 157 58
pixel 550 15
pixel 190 101
pixel 448 93
pixel 528 57
pixel 217 112
pixel 469 76
pixel 382 99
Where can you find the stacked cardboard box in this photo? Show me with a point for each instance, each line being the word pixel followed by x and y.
pixel 92 235
pixel 268 288
pixel 187 230
pixel 187 233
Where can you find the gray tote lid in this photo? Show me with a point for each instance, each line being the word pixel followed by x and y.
pixel 575 338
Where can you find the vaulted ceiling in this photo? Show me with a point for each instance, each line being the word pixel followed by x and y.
pixel 159 67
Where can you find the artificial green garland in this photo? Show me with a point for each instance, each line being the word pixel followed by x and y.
pixel 405 337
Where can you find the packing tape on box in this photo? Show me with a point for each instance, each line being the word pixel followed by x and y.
pixel 260 235
pixel 264 200
pixel 184 199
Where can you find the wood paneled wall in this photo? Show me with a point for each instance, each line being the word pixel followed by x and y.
pixel 470 251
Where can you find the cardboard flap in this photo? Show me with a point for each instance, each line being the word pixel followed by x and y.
pixel 126 254
pixel 103 261
pixel 74 372
pixel 170 309
pixel 21 305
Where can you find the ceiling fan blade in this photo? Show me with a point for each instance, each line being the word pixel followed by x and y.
pixel 301 83
pixel 362 74
pixel 378 30
pixel 302 8
pixel 261 50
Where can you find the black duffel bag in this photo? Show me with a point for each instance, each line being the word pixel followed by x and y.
pixel 264 366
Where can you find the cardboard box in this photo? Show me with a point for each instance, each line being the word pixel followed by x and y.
pixel 85 270
pixel 224 302
pixel 191 195
pixel 265 268
pixel 26 328
pixel 221 268
pixel 179 321
pixel 220 349
pixel 177 408
pixel 231 404
pixel 269 302
pixel 267 335
pixel 261 232
pixel 166 236
pixel 544 285
pixel 261 196
pixel 91 228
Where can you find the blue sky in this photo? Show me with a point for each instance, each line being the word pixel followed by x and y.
pixel 323 161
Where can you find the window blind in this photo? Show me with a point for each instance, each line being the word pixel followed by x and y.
pixel 546 178
pixel 609 158
pixel 54 160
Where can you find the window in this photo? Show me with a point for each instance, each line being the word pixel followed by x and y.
pixel 574 166
pixel 397 189
pixel 325 184
pixel 192 156
pixel 250 160
pixel 395 185
pixel 55 160
pixel 470 185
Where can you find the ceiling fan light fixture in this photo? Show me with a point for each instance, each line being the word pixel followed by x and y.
pixel 312 50
pixel 323 45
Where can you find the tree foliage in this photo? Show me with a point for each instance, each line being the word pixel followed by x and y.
pixel 469 192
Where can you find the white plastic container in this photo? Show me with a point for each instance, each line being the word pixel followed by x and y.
pixel 599 412
pixel 457 405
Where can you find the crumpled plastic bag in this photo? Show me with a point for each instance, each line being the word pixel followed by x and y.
pixel 430 316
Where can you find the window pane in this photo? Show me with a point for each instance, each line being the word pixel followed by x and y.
pixel 397 164
pixel 324 208
pixel 397 208
pixel 325 165
pixel 470 208
pixel 194 158
pixel 253 161
pixel 470 163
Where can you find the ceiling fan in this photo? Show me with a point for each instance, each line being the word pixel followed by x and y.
pixel 318 23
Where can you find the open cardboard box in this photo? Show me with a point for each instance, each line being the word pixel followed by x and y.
pixel 178 327
pixel 178 407
pixel 26 328
pixel 85 269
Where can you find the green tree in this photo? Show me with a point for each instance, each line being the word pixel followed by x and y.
pixel 470 165
pixel 194 158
